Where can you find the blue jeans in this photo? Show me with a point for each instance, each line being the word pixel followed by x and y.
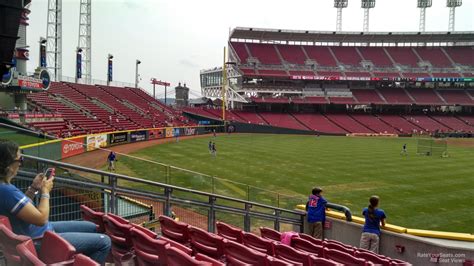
pixel 82 235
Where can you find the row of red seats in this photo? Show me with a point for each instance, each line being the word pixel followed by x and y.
pixel 20 250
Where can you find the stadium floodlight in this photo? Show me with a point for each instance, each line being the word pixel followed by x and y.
pixel 85 39
pixel 137 62
pixel 367 5
pixel 422 5
pixel 340 4
pixel 452 4
pixel 54 38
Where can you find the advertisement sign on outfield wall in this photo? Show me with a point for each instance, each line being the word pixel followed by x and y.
pixel 72 147
pixel 190 131
pixel 169 132
pixel 96 141
pixel 116 138
pixel 137 136
pixel 156 134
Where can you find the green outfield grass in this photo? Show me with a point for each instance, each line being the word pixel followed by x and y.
pixel 416 191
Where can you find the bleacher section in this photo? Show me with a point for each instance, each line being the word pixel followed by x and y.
pixel 282 120
pixel 426 123
pixel 319 122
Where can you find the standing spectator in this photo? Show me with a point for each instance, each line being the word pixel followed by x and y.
pixel 214 150
pixel 214 133
pixel 33 221
pixel 404 150
pixel 316 213
pixel 111 159
pixel 371 231
pixel 210 147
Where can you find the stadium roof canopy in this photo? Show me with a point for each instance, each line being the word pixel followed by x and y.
pixel 269 35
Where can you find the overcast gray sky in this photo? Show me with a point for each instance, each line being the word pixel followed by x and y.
pixel 175 39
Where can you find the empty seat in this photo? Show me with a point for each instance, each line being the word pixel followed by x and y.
pixel 335 245
pixel 82 260
pixel 291 255
pixel 229 232
pixel 9 241
pixel 148 251
pixel 174 230
pixel 306 246
pixel 176 257
pixel 119 232
pixel 54 249
pixel 311 239
pixel 92 216
pixel 207 243
pixel 270 234
pixel 341 257
pixel 238 254
pixel 272 261
pixel 257 243
pixel 372 257
pixel 323 262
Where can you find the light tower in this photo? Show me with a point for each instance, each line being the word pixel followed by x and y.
pixel 452 4
pixel 84 41
pixel 54 38
pixel 367 5
pixel 422 5
pixel 339 4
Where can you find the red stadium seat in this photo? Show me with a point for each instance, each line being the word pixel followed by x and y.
pixel 176 257
pixel 5 221
pixel 9 241
pixel 204 258
pixel 119 232
pixel 92 216
pixel 54 249
pixel 344 258
pixel 291 255
pixel 317 261
pixel 339 246
pixel 238 254
pixel 311 239
pixel 148 251
pixel 306 246
pixel 272 261
pixel 174 230
pixel 177 245
pixel 207 243
pixel 270 234
pixel 258 243
pixel 229 232
pixel 372 257
pixel 82 260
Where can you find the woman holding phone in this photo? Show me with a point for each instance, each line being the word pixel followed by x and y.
pixel 30 220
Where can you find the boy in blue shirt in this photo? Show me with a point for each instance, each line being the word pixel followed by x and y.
pixel 316 213
pixel 371 231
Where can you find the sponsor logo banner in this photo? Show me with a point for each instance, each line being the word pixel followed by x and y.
pixel 169 132
pixel 116 138
pixel 96 142
pixel 176 132
pixel 137 136
pixel 156 134
pixel 190 131
pixel 72 147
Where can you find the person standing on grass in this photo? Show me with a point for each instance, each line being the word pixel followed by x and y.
pixel 111 159
pixel 214 150
pixel 210 147
pixel 316 213
pixel 404 150
pixel 371 231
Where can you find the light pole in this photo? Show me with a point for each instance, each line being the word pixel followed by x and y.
pixel 42 52
pixel 136 72
pixel 78 64
pixel 109 68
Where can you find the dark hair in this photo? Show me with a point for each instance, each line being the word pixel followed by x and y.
pixel 8 153
pixel 316 190
pixel 374 202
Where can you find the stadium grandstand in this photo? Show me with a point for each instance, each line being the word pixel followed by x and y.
pixel 272 81
pixel 350 82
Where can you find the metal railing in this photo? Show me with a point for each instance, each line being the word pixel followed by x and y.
pixel 143 200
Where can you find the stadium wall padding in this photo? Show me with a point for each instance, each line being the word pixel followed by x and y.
pixel 266 129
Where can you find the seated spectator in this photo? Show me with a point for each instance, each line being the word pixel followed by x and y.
pixel 30 220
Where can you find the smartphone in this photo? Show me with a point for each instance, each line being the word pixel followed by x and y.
pixel 50 172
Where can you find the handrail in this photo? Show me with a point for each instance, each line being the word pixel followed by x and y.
pixel 344 209
pixel 135 179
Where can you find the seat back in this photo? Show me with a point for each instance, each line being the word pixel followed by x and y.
pixel 291 255
pixel 238 254
pixel 229 232
pixel 55 249
pixel 81 260
pixel 119 233
pixel 28 255
pixel 371 257
pixel 174 230
pixel 341 257
pixel 306 246
pixel 148 251
pixel 5 221
pixel 272 261
pixel 335 246
pixel 177 245
pixel 8 243
pixel 271 234
pixel 311 239
pixel 323 262
pixel 204 258
pixel 257 243
pixel 176 257
pixel 92 216
pixel 207 243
